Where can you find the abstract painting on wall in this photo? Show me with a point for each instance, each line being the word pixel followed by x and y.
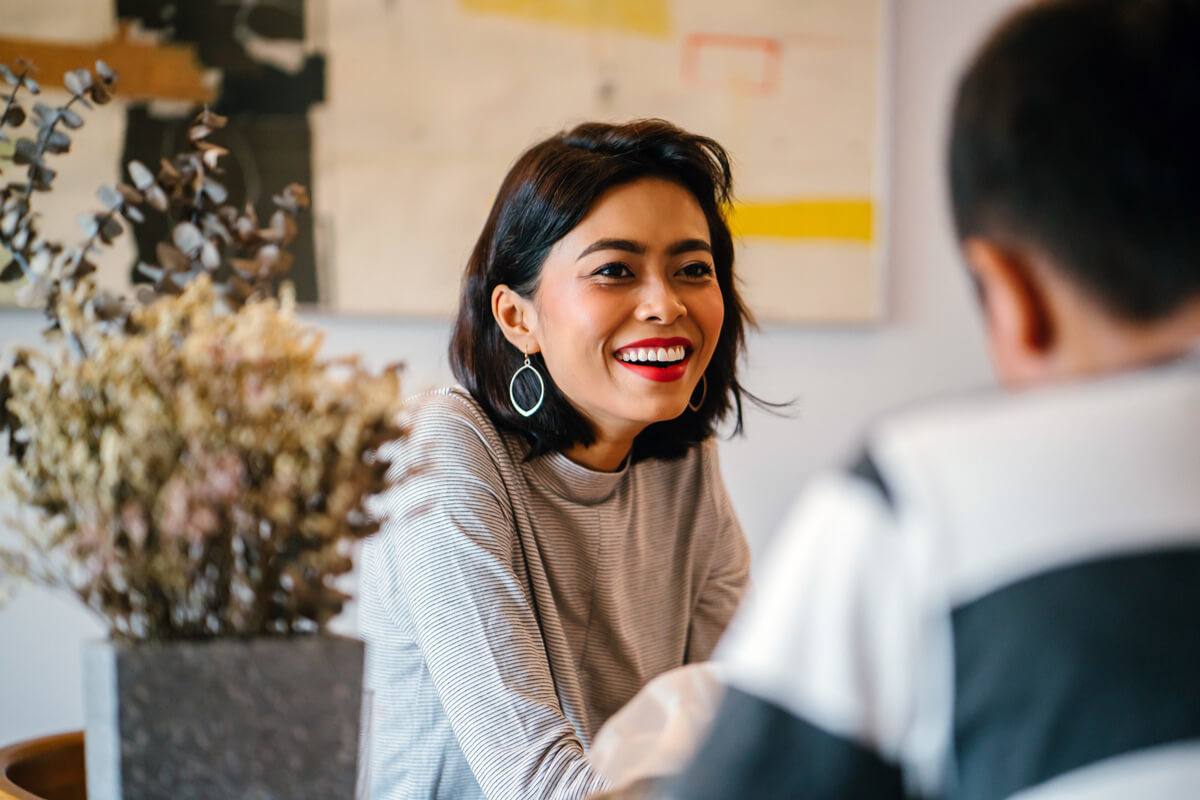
pixel 403 116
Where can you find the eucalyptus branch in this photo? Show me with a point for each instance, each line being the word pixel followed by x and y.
pixel 12 98
pixel 43 142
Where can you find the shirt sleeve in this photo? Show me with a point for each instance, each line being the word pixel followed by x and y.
pixel 820 660
pixel 452 557
pixel 728 569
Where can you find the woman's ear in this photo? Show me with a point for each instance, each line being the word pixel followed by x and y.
pixel 1020 319
pixel 517 319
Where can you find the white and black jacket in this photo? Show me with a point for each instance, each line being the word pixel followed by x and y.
pixel 1001 600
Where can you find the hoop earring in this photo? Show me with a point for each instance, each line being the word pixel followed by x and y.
pixel 541 389
pixel 703 394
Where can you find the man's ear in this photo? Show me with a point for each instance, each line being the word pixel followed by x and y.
pixel 1020 320
pixel 517 319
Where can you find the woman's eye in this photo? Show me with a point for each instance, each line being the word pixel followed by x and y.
pixel 614 270
pixel 697 269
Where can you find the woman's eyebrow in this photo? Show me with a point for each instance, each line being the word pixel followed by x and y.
pixel 630 246
pixel 689 245
pixel 627 245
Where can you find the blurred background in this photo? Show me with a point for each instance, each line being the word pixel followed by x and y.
pixel 403 116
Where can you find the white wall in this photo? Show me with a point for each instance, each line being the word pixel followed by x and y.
pixel 930 343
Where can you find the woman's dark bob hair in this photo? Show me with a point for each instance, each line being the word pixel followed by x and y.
pixel 548 192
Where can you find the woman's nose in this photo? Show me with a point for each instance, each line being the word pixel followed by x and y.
pixel 660 303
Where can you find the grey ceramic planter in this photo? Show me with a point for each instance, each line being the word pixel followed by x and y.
pixel 251 719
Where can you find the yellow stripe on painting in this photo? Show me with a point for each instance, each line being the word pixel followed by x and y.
pixel 850 219
pixel 646 17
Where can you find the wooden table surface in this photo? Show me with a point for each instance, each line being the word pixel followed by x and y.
pixel 49 768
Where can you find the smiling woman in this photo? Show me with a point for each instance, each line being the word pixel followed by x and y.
pixel 559 533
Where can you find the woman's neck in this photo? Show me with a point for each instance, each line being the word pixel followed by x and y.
pixel 603 455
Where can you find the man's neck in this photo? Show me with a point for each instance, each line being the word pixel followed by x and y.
pixel 1096 343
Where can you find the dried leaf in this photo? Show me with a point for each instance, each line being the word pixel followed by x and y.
pixel 187 237
pixel 210 256
pixel 156 197
pixel 106 305
pixel 35 293
pixel 172 258
pixel 215 190
pixel 245 266
pixel 167 172
pixel 106 73
pixel 77 81
pixel 44 114
pixel 211 154
pixel 41 177
pixel 81 270
pixel 40 263
pixel 129 194
pixel 214 228
pixel 32 86
pixel 284 225
pixel 99 94
pixel 87 224
pixel 109 197
pixel 11 272
pixel 142 178
pixel 149 270
pixel 70 118
pixel 8 75
pixel 15 117
pixel 25 151
pixel 110 229
pixel 293 198
pixel 273 261
pixel 58 142
pixel 168 285
pixel 133 214
pixel 211 119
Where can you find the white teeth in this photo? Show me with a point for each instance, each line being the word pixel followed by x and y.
pixel 661 355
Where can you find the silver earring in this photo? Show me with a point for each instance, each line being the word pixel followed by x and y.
pixel 703 394
pixel 541 389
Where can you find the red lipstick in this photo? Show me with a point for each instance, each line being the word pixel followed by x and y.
pixel 658 374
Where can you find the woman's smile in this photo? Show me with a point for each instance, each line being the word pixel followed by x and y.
pixel 661 360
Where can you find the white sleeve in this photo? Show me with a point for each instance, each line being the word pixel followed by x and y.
pixel 830 630
pixel 821 661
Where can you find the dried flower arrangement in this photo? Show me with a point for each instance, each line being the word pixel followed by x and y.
pixel 183 461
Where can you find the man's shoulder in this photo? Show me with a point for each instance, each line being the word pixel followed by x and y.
pixel 1104 412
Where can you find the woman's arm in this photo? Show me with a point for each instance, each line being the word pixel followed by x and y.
pixel 449 550
pixel 728 572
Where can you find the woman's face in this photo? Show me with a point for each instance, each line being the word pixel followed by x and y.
pixel 628 311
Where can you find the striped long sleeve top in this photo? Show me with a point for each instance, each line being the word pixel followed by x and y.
pixel 511 606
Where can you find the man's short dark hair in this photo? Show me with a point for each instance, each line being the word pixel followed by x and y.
pixel 1076 130
pixel 545 195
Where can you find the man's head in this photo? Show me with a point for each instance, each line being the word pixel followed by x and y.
pixel 1075 176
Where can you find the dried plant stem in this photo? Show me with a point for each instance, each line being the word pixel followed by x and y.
pixel 87 246
pixel 12 98
pixel 44 140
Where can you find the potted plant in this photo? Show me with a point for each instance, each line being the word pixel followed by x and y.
pixel 187 465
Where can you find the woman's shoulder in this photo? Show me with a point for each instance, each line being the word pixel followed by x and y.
pixel 447 405
pixel 448 423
